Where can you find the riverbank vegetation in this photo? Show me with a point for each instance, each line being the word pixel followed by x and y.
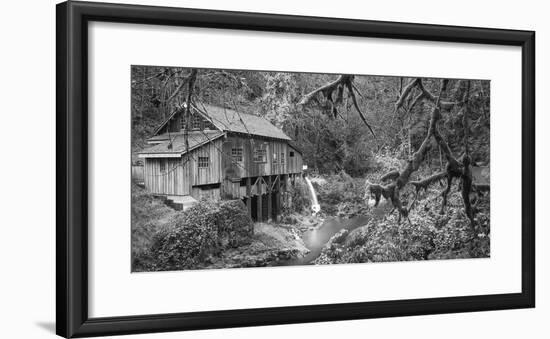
pixel 427 234
pixel 210 234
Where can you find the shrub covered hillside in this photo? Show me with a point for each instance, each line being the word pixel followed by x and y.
pixel 429 234
pixel 149 215
pixel 188 238
pixel 211 234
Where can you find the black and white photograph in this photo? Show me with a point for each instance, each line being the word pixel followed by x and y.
pixel 242 168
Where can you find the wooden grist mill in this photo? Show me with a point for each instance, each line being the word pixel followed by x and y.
pixel 221 154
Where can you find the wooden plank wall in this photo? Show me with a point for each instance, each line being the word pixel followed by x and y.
pixel 294 163
pixel 181 176
pixel 276 149
pixel 170 181
pixel 249 168
pixel 211 174
pixel 233 169
pixel 175 124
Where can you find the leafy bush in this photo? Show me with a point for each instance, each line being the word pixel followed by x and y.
pixel 235 226
pixel 341 195
pixel 200 232
pixel 192 237
pixel 387 160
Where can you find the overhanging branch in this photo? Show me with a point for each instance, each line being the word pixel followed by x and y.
pixel 338 85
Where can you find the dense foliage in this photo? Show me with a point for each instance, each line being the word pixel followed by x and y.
pixel 429 235
pixel 208 235
pixel 188 238
pixel 298 198
pixel 341 195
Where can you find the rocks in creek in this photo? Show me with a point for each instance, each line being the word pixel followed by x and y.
pixel 333 249
pixel 339 237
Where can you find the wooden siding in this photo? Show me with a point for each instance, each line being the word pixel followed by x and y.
pixel 296 162
pixel 249 168
pixel 175 179
pixel 171 181
pixel 176 124
pixel 182 176
pixel 212 173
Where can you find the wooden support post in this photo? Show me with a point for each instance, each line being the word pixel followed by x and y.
pixel 278 199
pixel 284 190
pixel 248 197
pixel 189 163
pixel 269 198
pixel 259 200
pixel 145 183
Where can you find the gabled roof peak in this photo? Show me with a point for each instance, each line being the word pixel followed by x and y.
pixel 229 120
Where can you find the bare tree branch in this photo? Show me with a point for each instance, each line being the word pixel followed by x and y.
pixel 350 91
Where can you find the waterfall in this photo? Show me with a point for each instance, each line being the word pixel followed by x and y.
pixel 314 203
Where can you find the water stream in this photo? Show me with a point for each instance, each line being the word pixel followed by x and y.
pixel 317 238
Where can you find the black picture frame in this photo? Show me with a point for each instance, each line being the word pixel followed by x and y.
pixel 72 319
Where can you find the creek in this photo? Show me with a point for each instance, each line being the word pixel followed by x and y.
pixel 317 238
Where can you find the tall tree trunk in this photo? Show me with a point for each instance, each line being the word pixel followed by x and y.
pixel 191 86
pixel 467 172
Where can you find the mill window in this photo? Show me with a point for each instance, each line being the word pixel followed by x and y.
pixel 204 162
pixel 196 122
pixel 260 155
pixel 237 154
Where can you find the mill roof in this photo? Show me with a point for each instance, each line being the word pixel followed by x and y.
pixel 229 120
pixel 173 144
